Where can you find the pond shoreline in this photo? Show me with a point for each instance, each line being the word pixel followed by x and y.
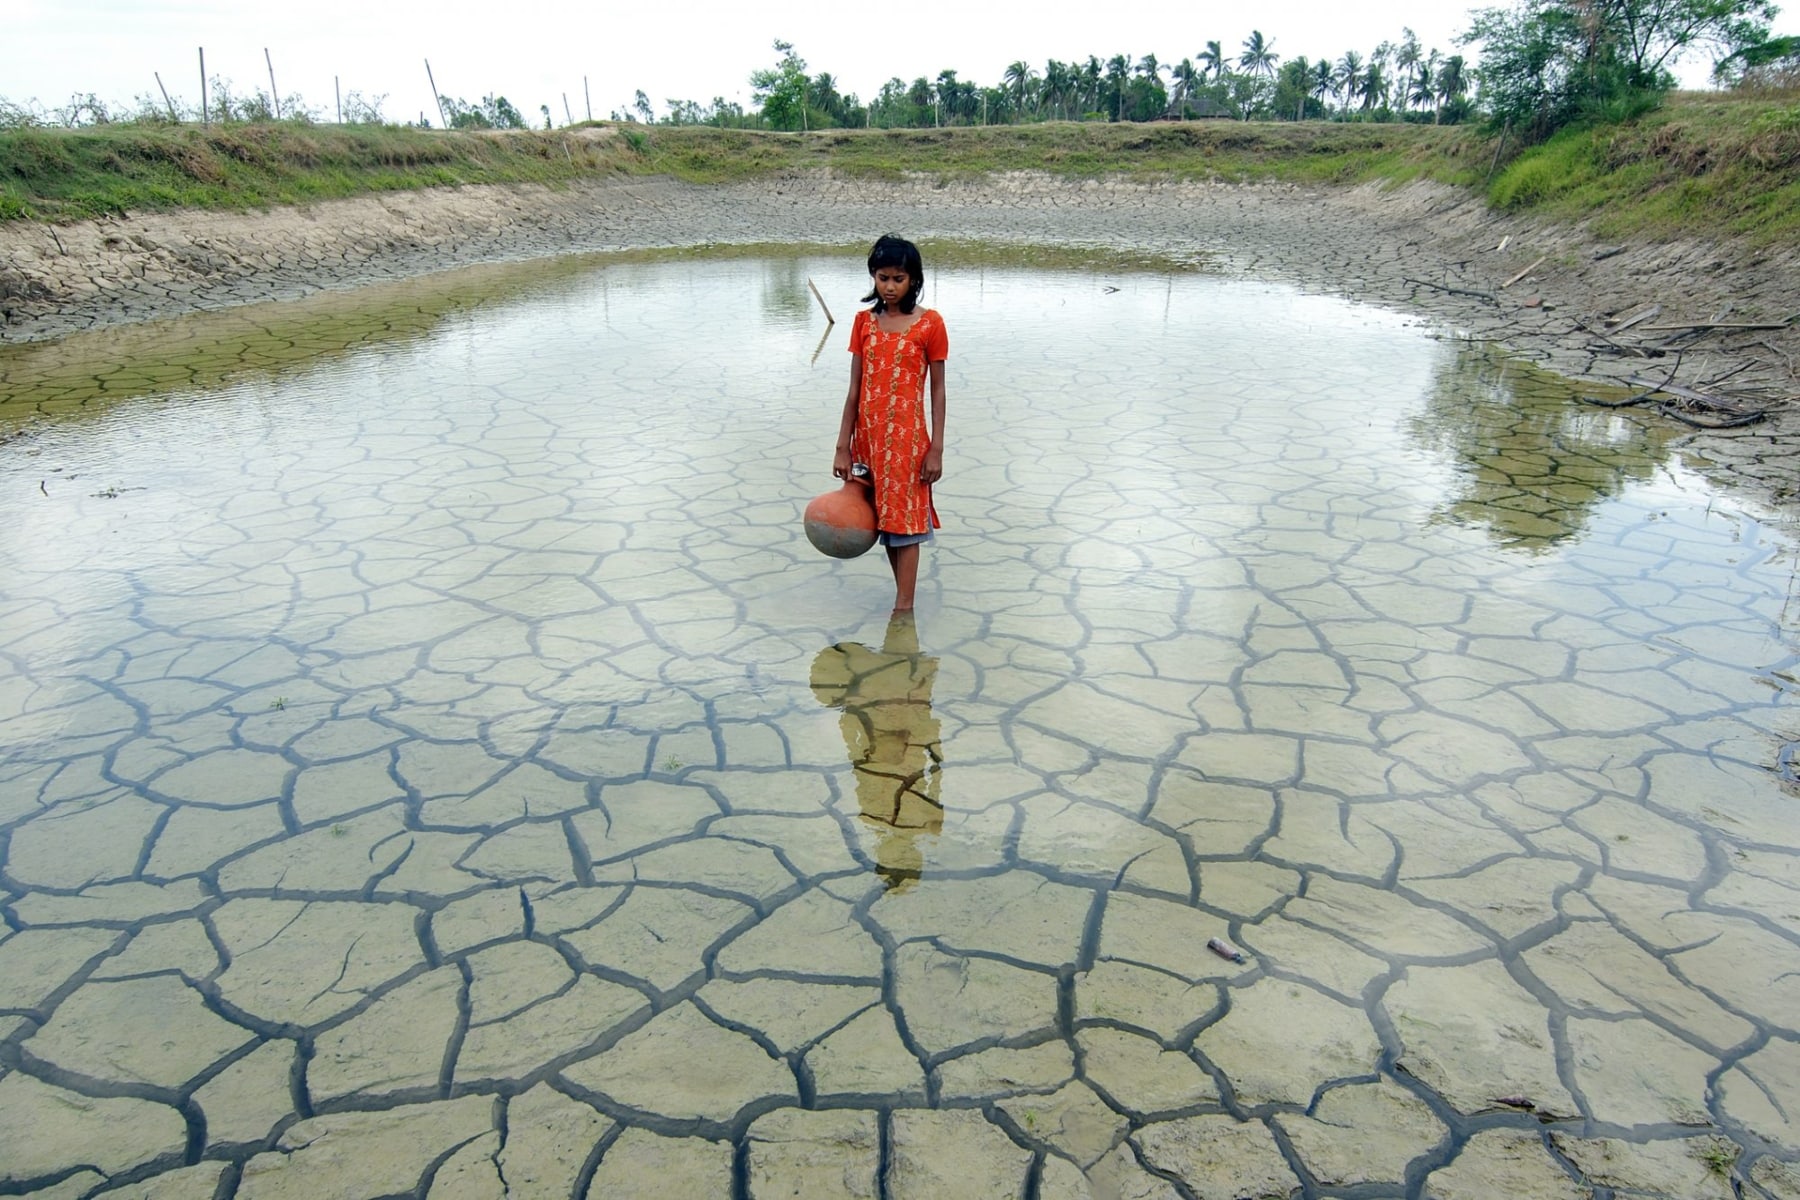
pixel 1425 248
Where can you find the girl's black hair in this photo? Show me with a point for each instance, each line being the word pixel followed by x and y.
pixel 892 250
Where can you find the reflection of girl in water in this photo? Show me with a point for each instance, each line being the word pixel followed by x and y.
pixel 891 738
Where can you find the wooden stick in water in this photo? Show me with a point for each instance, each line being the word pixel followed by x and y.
pixel 829 319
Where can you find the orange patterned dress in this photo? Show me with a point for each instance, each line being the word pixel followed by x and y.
pixel 891 434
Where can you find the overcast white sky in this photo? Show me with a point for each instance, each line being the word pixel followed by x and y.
pixel 534 53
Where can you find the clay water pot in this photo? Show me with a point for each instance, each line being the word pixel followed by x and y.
pixel 842 523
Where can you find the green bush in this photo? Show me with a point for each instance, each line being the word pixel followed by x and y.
pixel 1538 176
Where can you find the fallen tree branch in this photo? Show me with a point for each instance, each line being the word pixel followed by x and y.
pixel 1597 402
pixel 1729 420
pixel 1729 413
pixel 1613 346
pixel 1785 356
pixel 1454 291
pixel 1743 366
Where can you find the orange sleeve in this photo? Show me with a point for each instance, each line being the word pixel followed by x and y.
pixel 937 340
pixel 858 331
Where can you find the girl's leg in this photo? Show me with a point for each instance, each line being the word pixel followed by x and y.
pixel 905 562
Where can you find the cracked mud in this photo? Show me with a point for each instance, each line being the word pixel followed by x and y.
pixel 436 764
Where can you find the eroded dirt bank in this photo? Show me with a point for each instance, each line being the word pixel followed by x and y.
pixel 1425 247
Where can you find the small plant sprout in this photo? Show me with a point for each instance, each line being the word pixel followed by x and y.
pixel 672 764
pixel 1720 1157
pixel 278 703
pixel 340 830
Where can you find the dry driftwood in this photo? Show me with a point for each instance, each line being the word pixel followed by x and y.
pixel 1708 326
pixel 1655 310
pixel 1528 270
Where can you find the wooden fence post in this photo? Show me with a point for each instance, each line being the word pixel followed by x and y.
pixel 205 104
pixel 436 99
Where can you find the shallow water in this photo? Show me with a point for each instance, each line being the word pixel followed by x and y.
pixel 426 695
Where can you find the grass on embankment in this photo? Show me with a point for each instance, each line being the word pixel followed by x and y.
pixel 62 174
pixel 68 174
pixel 1704 163
pixel 1701 164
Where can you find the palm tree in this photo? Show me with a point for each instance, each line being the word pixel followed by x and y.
pixel 1212 60
pixel 825 96
pixel 1090 84
pixel 1424 88
pixel 1056 86
pixel 1018 78
pixel 1379 61
pixel 1259 57
pixel 1406 61
pixel 919 96
pixel 1374 86
pixel 1187 78
pixel 1452 84
pixel 1118 74
pixel 1349 78
pixel 1149 67
pixel 1297 73
pixel 1322 80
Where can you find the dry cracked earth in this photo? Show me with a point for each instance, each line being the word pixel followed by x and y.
pixel 436 765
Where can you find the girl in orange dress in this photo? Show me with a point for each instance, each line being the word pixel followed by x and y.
pixel 896 347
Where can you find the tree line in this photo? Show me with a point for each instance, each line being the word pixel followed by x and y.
pixel 1538 65
pixel 1542 64
pixel 1397 81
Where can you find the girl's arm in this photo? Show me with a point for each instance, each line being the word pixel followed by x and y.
pixel 840 462
pixel 932 469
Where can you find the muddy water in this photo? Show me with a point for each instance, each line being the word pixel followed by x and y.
pixel 435 762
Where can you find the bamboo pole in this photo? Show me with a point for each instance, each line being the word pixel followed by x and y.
pixel 205 104
pixel 566 112
pixel 338 94
pixel 443 122
pixel 274 94
pixel 165 92
pixel 587 98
